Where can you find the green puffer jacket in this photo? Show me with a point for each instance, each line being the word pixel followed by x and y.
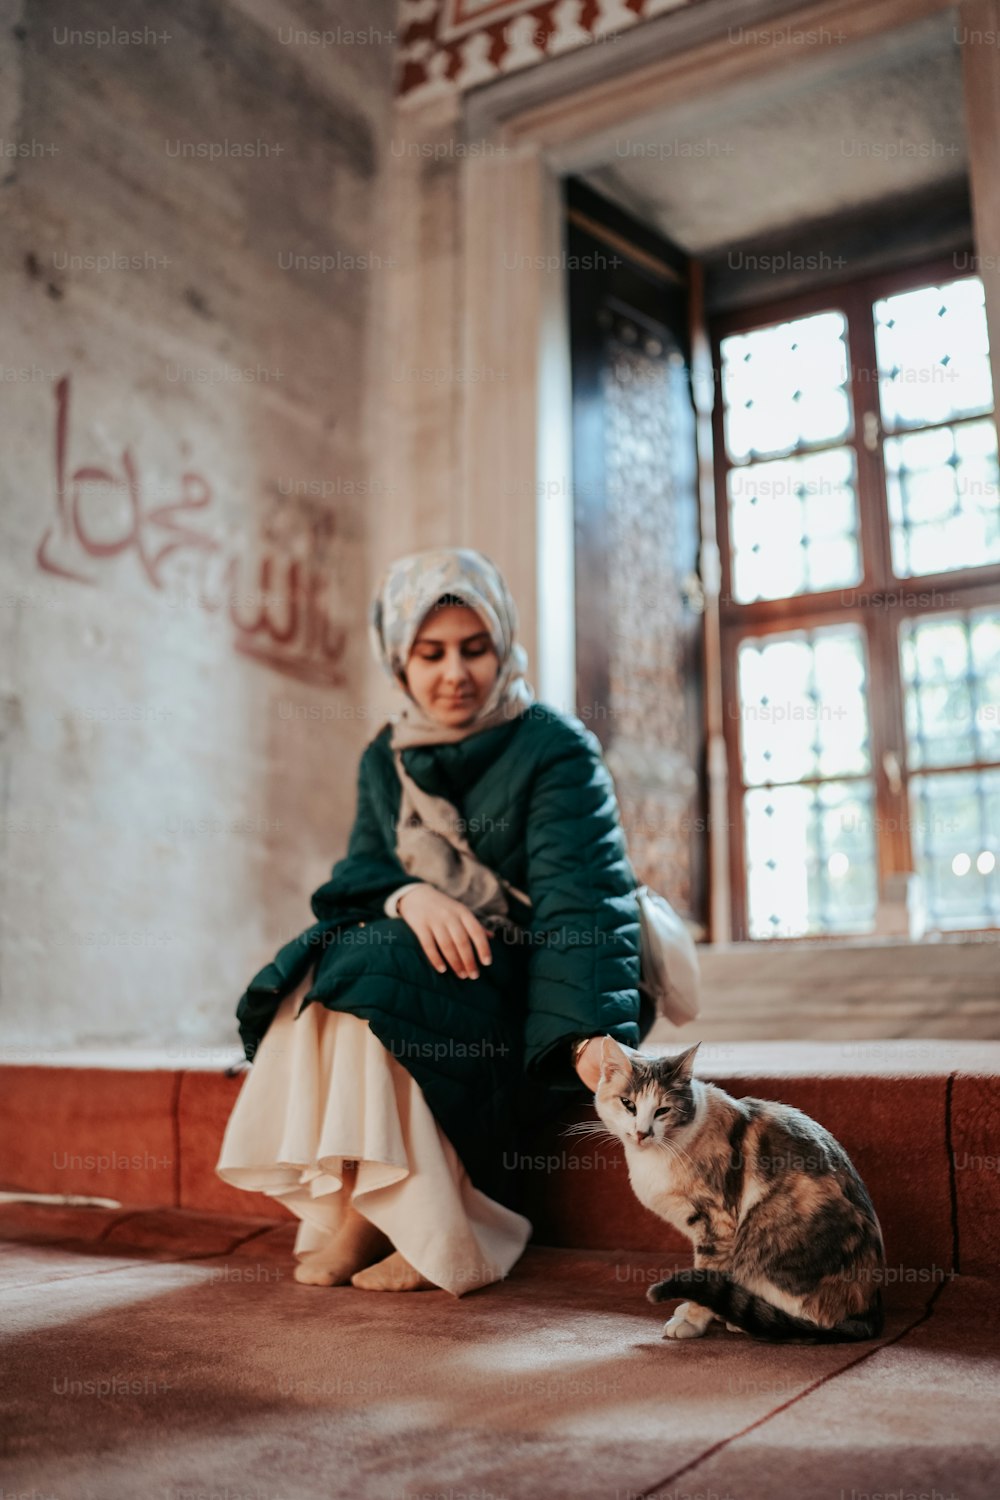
pixel 539 808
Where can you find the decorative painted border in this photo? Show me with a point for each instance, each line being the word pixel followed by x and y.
pixel 449 46
pixel 459 17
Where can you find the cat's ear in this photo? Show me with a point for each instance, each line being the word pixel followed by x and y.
pixel 614 1058
pixel 682 1066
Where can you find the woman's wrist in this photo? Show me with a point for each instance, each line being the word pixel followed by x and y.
pixel 395 900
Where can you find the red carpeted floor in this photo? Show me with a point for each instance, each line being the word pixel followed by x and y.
pixel 170 1354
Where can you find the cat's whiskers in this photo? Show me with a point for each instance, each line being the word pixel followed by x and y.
pixel 594 1129
pixel 679 1152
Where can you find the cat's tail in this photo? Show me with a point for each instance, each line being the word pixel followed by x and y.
pixel 759 1318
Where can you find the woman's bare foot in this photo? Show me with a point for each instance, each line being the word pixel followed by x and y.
pixel 355 1245
pixel 394 1274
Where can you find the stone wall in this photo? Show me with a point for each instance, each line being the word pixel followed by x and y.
pixel 193 267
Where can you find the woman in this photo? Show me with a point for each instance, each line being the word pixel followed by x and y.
pixel 476 941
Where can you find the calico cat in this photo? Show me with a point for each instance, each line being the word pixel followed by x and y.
pixel 787 1245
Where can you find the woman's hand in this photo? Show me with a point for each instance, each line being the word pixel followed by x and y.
pixel 449 932
pixel 588 1064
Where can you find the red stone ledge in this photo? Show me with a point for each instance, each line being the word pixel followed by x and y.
pixel 927 1144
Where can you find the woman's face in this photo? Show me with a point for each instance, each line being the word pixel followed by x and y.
pixel 452 665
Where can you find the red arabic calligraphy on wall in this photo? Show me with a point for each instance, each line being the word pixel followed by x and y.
pixel 289 628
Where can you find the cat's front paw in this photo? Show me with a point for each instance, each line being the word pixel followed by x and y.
pixel 688 1322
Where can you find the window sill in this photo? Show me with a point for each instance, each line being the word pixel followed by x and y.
pixel 874 942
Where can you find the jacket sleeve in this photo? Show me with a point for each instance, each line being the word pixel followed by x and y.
pixel 584 953
pixel 356 891
pixel 369 871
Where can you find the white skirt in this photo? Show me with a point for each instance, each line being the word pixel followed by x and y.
pixel 323 1091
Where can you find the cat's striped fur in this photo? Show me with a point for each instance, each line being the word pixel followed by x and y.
pixel 787 1245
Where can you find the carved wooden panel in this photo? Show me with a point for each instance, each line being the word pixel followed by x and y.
pixel 649 541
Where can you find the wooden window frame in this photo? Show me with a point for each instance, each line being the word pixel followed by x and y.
pixel 948 591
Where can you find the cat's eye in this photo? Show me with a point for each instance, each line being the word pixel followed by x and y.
pixel 628 1105
pixel 661 1112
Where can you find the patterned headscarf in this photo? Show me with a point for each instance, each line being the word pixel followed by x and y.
pixel 408 591
pixel 430 842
